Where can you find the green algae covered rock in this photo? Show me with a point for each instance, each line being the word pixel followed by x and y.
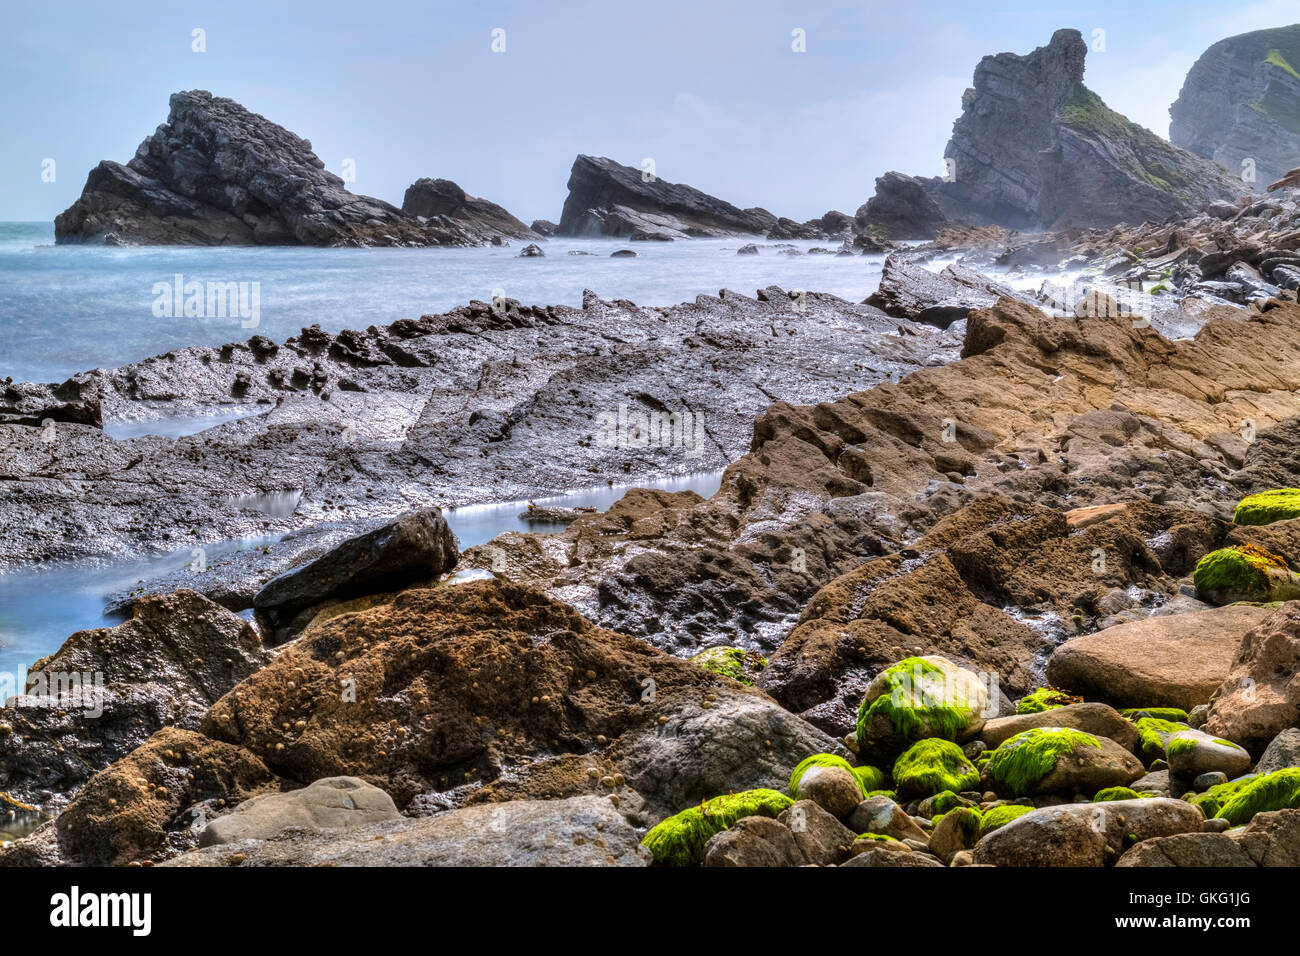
pixel 1118 793
pixel 933 766
pixel 1046 698
pixel 918 698
pixel 1268 506
pixel 1238 800
pixel 680 840
pixel 1244 573
pixel 734 662
pixel 1060 760
pixel 1174 714
pixel 1000 816
pixel 1154 734
pixel 870 779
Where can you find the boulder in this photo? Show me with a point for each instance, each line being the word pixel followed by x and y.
pixel 822 839
pixel 1062 761
pixel 1282 751
pixel 908 290
pixel 883 816
pixel 1090 834
pixel 415 547
pixel 754 841
pixel 1270 839
pixel 106 690
pixel 331 803
pixel 1260 696
pixel 578 831
pixel 1100 720
pixel 1175 660
pixel 834 789
pixel 1192 753
pixel 920 697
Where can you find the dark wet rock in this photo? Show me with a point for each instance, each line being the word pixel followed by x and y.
pixel 531 251
pixel 217 174
pixel 911 291
pixel 901 208
pixel 416 547
pixel 609 199
pixel 441 199
pixel 449 408
pixel 105 691
pixel 1238 104
pixel 544 227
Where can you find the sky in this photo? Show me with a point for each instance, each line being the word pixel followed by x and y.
pixel 713 92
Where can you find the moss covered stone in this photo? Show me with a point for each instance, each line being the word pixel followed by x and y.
pixel 1175 714
pixel 1268 506
pixel 1000 816
pixel 941 803
pixel 734 662
pixel 932 766
pixel 1154 733
pixel 1045 698
pixel 868 778
pixel 917 698
pixel 1244 573
pixel 1240 800
pixel 680 840
pixel 1117 793
pixel 1020 762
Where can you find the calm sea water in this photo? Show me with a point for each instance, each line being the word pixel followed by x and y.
pixel 64 309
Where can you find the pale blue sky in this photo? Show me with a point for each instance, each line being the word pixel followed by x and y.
pixel 710 90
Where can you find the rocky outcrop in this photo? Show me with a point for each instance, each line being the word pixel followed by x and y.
pixel 430 698
pixel 911 291
pixel 416 547
pixel 217 174
pixel 1260 695
pixel 901 208
pixel 609 199
pixel 441 199
pixel 107 690
pixel 1238 105
pixel 447 407
pixel 1036 149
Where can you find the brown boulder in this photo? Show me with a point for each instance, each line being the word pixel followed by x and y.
pixel 1174 660
pixel 1260 696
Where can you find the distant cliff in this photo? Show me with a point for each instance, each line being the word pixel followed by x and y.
pixel 1036 149
pixel 1241 101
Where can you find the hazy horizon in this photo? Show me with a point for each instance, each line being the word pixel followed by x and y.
pixel 717 97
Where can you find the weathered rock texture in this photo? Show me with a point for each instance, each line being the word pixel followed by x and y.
pixel 217 174
pixel 1241 101
pixel 164 667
